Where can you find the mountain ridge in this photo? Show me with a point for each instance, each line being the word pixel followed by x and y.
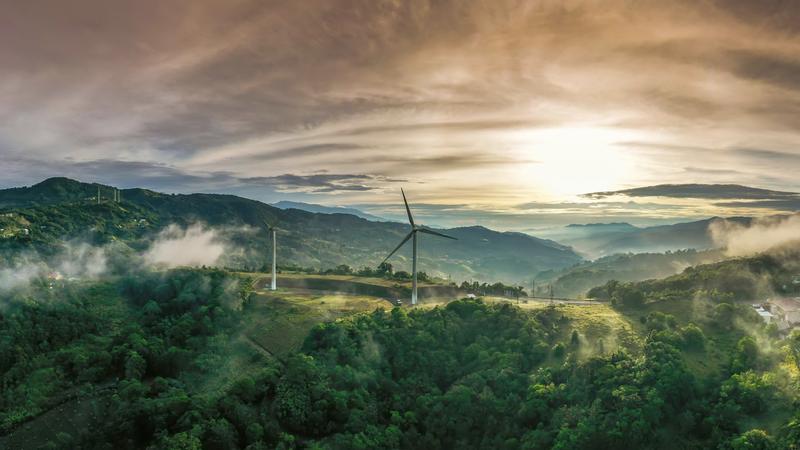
pixel 308 239
pixel 317 208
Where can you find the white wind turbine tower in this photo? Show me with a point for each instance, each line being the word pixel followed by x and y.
pixel 413 236
pixel 274 285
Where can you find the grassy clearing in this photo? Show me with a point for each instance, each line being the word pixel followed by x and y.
pixel 279 322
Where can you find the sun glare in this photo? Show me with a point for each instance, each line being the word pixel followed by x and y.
pixel 567 161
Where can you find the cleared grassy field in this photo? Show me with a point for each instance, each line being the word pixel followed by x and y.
pixel 279 321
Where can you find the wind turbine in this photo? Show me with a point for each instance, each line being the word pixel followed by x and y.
pixel 274 285
pixel 413 236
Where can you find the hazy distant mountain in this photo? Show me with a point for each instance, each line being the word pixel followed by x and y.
pixel 615 226
pixel 596 240
pixel 315 208
pixel 660 238
pixel 60 209
pixel 587 237
pixel 705 191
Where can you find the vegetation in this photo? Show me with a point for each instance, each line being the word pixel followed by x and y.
pixel 162 360
pixel 577 280
pixel 736 279
pixel 58 344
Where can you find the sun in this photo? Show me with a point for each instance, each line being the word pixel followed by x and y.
pixel 568 161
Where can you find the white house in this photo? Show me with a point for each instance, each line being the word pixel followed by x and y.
pixel 767 316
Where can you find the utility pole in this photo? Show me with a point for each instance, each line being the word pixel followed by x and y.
pixel 551 293
pixel 533 288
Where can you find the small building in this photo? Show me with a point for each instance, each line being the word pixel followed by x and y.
pixel 786 311
pixel 471 296
pixel 766 316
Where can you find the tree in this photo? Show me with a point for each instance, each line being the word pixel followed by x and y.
pixel 575 339
pixel 221 435
pixel 385 269
pixel 135 366
pixel 746 356
pixel 793 347
pixel 753 440
pixel 693 337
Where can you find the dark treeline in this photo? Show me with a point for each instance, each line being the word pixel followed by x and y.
pixel 384 270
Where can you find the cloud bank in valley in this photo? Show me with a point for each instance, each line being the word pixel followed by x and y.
pixel 760 235
pixel 174 246
pixel 76 260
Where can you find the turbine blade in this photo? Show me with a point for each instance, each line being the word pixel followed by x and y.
pixel 436 233
pixel 408 210
pixel 408 236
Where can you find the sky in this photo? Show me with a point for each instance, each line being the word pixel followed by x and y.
pixel 496 112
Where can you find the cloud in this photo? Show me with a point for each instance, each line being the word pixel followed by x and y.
pixel 775 205
pixel 317 183
pixel 759 236
pixel 192 246
pixel 75 260
pixel 773 156
pixel 711 171
pixel 81 260
pixel 20 275
pixel 780 71
pixel 697 191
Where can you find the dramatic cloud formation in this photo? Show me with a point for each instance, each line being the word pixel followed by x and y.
pixel 491 104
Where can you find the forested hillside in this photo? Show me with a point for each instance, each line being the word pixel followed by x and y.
pixel 43 216
pixel 743 279
pixel 154 360
pixel 577 280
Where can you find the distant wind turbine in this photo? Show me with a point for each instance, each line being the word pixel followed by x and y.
pixel 413 236
pixel 274 285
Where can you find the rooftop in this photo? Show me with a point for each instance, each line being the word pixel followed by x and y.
pixel 787 304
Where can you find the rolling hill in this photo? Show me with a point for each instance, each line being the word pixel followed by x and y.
pixel 61 209
pixel 577 280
